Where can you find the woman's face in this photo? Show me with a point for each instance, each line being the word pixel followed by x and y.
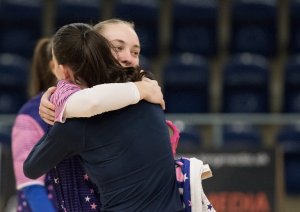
pixel 125 42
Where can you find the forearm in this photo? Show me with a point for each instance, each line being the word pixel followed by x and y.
pixel 101 98
pixel 37 163
pixel 62 141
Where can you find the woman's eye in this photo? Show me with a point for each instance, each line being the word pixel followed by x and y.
pixel 118 48
pixel 135 53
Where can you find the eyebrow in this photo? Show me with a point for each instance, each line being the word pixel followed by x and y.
pixel 123 42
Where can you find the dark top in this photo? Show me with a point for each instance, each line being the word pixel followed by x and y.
pixel 65 184
pixel 126 153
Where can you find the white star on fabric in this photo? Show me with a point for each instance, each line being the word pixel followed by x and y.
pixel 93 206
pixel 24 203
pixel 180 191
pixel 56 180
pixel 87 199
pixel 185 177
pixel 85 177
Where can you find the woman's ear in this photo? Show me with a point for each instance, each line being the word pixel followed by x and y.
pixel 67 72
pixel 52 66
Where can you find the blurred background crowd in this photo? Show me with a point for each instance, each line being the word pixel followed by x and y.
pixel 229 69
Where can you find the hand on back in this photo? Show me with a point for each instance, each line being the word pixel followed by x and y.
pixel 46 108
pixel 151 91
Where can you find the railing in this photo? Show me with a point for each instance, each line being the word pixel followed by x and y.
pixel 7 120
pixel 216 121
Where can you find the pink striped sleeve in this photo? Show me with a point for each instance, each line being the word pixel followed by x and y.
pixel 25 134
pixel 59 98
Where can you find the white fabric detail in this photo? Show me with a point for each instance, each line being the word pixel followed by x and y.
pixel 19 187
pixel 101 98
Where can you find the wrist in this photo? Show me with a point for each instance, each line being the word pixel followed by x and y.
pixel 141 88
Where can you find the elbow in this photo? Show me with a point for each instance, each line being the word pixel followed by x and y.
pixel 29 171
pixel 94 105
pixel 91 108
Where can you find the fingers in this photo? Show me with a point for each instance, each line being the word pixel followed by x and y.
pixel 146 79
pixel 153 92
pixel 159 94
pixel 46 108
pixel 163 104
pixel 154 82
pixel 48 119
pixel 47 114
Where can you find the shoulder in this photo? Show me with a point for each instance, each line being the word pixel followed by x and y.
pixel 31 109
pixel 72 130
pixel 31 105
pixel 64 90
pixel 65 87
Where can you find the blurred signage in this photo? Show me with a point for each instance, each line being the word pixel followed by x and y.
pixel 242 181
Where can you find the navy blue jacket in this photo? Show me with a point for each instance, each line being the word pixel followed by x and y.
pixel 126 153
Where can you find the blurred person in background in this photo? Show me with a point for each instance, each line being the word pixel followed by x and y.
pixel 33 195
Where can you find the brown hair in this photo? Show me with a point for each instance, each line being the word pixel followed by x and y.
pixel 101 25
pixel 41 76
pixel 89 56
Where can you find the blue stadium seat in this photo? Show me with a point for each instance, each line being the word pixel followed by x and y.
pixel 246 84
pixel 294 30
pixel 241 136
pixel 13 81
pixel 253 27
pixel 186 81
pixel 291 103
pixel 21 26
pixel 84 11
pixel 145 15
pixel 190 140
pixel 194 26
pixel 289 139
pixel 5 136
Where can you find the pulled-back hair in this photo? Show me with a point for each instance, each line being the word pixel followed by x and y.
pixel 41 76
pixel 101 25
pixel 89 56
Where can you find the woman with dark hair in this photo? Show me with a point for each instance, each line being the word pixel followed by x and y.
pixel 37 195
pixel 125 152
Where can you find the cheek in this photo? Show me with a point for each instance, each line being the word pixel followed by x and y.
pixel 115 54
pixel 56 74
pixel 136 62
